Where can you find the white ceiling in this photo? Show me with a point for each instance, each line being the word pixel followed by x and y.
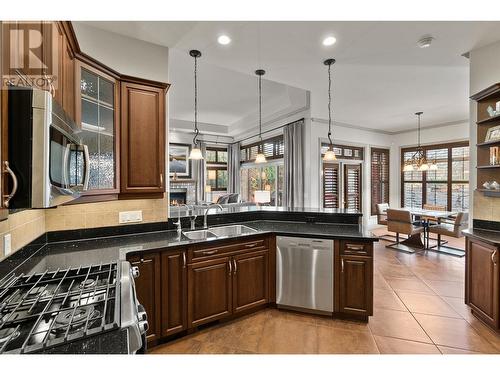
pixel 380 79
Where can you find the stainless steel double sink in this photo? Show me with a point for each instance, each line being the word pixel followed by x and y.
pixel 217 232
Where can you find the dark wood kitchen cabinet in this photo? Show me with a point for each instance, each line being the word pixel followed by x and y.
pixel 250 280
pixel 210 291
pixel 148 286
pixel 142 139
pixel 173 292
pixel 354 278
pixel 482 281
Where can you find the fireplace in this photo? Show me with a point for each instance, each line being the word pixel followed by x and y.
pixel 178 196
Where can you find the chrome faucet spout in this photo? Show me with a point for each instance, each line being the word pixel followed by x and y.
pixel 213 205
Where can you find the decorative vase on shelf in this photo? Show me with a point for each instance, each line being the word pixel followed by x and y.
pixel 495 185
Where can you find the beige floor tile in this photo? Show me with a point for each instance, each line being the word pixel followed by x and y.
pixel 389 345
pixel 409 284
pixel 181 346
pixel 447 288
pixel 341 341
pixel 392 270
pixel 427 304
pixel 379 282
pixel 387 299
pixel 448 350
pixel 398 324
pixel 284 336
pixel 456 333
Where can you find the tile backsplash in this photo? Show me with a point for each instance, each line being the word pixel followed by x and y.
pixel 486 208
pixel 27 225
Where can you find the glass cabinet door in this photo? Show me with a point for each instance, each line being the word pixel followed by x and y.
pixel 97 100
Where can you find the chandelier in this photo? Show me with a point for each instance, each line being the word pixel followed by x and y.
pixel 418 161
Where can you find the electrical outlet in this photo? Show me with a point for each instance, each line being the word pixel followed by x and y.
pixel 130 217
pixel 7 244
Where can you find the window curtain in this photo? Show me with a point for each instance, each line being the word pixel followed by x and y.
pixel 293 160
pixel 199 167
pixel 233 168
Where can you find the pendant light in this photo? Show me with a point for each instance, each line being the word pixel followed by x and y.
pixel 329 154
pixel 418 161
pixel 260 158
pixel 195 153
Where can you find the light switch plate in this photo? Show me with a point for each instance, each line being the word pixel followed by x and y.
pixel 130 217
pixel 7 244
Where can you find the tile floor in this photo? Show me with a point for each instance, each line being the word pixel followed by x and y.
pixel 419 309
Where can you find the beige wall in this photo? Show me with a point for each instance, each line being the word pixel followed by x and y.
pixel 24 227
pixel 484 72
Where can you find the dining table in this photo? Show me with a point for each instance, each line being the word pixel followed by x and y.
pixel 425 217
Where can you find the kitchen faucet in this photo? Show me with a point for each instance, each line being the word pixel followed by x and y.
pixel 178 224
pixel 213 205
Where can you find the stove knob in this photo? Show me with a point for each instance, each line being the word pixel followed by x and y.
pixel 135 272
pixel 142 316
pixel 143 327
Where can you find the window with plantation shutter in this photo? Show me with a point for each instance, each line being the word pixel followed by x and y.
pixel 330 185
pixel 379 177
pixel 352 186
pixel 446 186
pixel 272 148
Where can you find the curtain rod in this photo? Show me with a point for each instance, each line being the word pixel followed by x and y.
pixel 266 131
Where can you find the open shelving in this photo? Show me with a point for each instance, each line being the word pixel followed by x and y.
pixel 486 171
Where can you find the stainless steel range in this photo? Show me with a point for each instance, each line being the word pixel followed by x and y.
pixel 90 309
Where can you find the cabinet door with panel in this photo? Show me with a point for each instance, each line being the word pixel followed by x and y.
pixel 142 139
pixel 147 287
pixel 483 280
pixel 209 291
pixel 173 292
pixel 250 280
pixel 356 285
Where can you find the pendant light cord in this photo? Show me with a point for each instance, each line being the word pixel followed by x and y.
pixel 260 107
pixel 196 131
pixel 329 106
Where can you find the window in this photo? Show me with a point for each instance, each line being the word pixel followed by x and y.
pixel 379 177
pixel 269 177
pixel 330 185
pixel 344 152
pixel 216 159
pixel 97 116
pixel 447 186
pixel 272 148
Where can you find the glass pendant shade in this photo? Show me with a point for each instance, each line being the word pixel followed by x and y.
pixel 195 154
pixel 433 167
pixel 329 156
pixel 260 158
pixel 424 167
pixel 408 168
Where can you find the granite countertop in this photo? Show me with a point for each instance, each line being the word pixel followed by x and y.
pixel 108 249
pixel 490 236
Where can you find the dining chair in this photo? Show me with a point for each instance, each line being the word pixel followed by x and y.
pixel 451 229
pixel 400 222
pixel 381 210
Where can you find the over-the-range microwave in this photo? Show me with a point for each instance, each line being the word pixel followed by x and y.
pixel 47 161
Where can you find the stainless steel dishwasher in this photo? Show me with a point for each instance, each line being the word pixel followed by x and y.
pixel 304 273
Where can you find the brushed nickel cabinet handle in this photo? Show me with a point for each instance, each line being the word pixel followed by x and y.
pixel 230 267
pixel 355 247
pixel 235 267
pixel 8 197
pixel 142 261
pixel 209 252
pixel 184 259
pixel 342 265
pixel 250 245
pixel 493 256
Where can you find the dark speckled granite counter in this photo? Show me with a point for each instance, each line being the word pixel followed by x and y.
pixel 61 250
pixel 490 236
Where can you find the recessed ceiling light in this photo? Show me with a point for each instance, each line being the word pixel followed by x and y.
pixel 224 39
pixel 425 41
pixel 329 41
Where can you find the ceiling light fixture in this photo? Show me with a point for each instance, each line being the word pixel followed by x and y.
pixel 425 41
pixel 260 158
pixel 195 153
pixel 224 40
pixel 329 41
pixel 329 154
pixel 418 161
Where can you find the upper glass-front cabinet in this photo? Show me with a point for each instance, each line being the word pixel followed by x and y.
pixel 97 114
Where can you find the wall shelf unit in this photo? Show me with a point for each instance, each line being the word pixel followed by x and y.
pixel 485 170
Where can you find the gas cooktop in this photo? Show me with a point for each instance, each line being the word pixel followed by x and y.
pixel 41 311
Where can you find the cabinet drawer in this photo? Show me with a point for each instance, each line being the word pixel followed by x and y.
pixel 356 248
pixel 204 252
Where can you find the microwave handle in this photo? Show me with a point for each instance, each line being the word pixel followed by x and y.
pixel 65 179
pixel 87 167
